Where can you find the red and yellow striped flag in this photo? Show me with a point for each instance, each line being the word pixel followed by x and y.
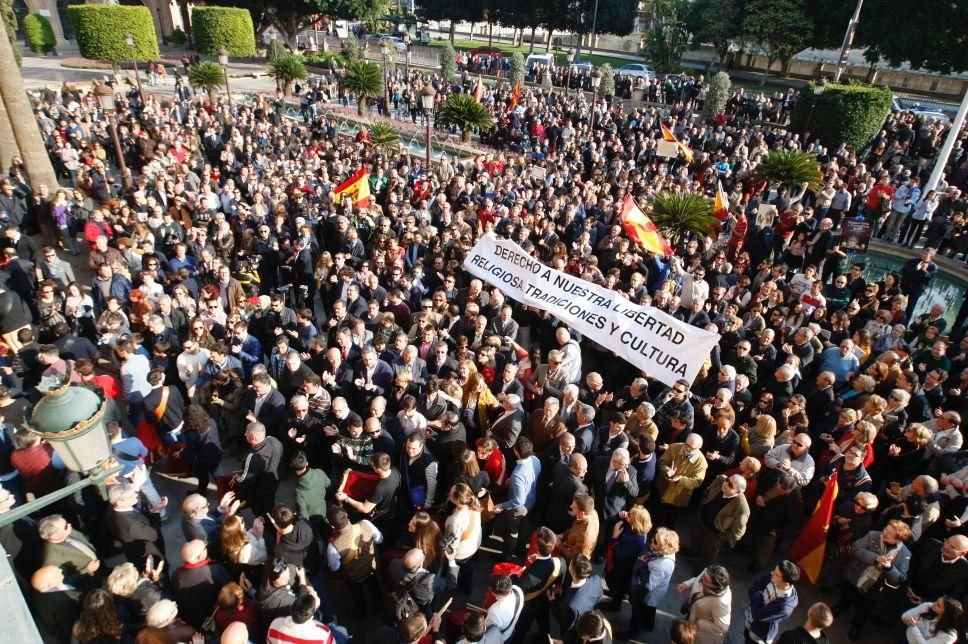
pixel 640 228
pixel 720 206
pixel 671 138
pixel 515 97
pixel 810 547
pixel 479 89
pixel 357 187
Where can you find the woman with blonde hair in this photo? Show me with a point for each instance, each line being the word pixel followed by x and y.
pixel 627 541
pixel 241 546
pixel 760 440
pixel 861 388
pixel 476 406
pixel 651 575
pixel 134 590
pixel 463 533
pixel 873 411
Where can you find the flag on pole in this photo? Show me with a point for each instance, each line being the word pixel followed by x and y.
pixel 515 97
pixel 720 207
pixel 640 228
pixel 479 89
pixel 671 138
pixel 810 547
pixel 357 187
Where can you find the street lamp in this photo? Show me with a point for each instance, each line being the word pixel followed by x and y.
pixel 129 41
pixel 571 63
pixel 223 60
pixel 427 96
pixel 385 50
pixel 105 97
pixel 818 89
pixel 596 81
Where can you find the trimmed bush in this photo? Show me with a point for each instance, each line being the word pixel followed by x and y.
pixel 40 36
pixel 517 69
pixel 717 96
pixel 448 62
pixel 607 86
pixel 99 30
pixel 229 27
pixel 850 114
pixel 178 37
pixel 276 49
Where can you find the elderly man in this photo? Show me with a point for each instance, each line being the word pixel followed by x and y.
pixel 544 426
pixel 71 551
pixel 57 605
pixel 570 355
pixel 841 362
pixel 722 516
pixel 507 427
pixel 682 469
pixel 615 486
pixel 793 459
pixel 196 584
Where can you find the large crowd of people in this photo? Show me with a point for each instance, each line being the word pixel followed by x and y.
pixel 375 444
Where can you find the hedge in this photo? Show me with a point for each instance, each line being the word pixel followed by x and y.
pixel 229 27
pixel 851 114
pixel 99 30
pixel 40 36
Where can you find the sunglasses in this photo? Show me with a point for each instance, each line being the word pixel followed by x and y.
pixel 798 444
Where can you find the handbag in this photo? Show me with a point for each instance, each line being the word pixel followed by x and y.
pixel 209 627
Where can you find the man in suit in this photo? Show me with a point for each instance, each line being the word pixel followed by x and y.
pixel 820 401
pixel 439 363
pixel 355 304
pixel 540 575
pixel 586 434
pixel 264 404
pixel 508 382
pixel 507 427
pixel 504 327
pixel 195 585
pixel 71 551
pixel 544 426
pixel 198 522
pixel 132 528
pixel 566 482
pixel 164 404
pixel 548 379
pixel 695 314
pixel 57 605
pixel 580 592
pixel 413 364
pixel 722 516
pixel 614 486
pixel 372 377
pixel 230 289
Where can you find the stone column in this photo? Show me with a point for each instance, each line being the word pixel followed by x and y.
pixel 8 144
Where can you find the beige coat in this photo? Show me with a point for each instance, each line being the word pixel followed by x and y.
pixel 690 473
pixel 709 614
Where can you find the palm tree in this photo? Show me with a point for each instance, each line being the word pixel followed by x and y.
pixel 287 69
pixel 384 138
pixel 680 214
pixel 364 80
pixel 207 76
pixel 790 168
pixel 466 114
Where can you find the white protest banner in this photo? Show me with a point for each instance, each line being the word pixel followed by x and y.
pixel 652 340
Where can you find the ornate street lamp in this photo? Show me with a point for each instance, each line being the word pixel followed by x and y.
pixel 105 97
pixel 129 41
pixel 596 81
pixel 818 90
pixel 427 97
pixel 385 50
pixel 223 60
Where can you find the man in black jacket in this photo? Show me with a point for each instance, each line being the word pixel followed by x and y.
pixel 132 528
pixel 566 482
pixel 290 537
pixel 536 579
pixel 195 585
pixel 56 605
pixel 259 478
pixel 14 315
pixel 407 574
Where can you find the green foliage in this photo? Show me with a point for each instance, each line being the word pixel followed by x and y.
pixel 207 76
pixel 680 214
pixel 229 27
pixel 351 50
pixel 851 114
pixel 287 69
pixel 829 19
pixel 384 138
pixel 10 22
pixel 614 16
pixel 448 62
pixel 40 36
pixel 777 28
pixel 517 68
pixel 931 35
pixel 364 80
pixel 464 113
pixel 324 59
pixel 276 49
pixel 607 86
pixel 99 30
pixel 719 86
pixel 667 40
pixel 362 10
pixel 789 167
pixel 716 22
pixel 178 37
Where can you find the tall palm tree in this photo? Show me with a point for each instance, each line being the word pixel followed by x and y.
pixel 207 76
pixel 789 168
pixel 680 214
pixel 287 69
pixel 466 114
pixel 365 81
pixel 384 138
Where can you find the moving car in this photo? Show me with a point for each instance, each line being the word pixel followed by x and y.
pixel 392 41
pixel 636 70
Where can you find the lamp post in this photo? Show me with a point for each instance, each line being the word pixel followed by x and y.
pixel 385 50
pixel 571 62
pixel 596 81
pixel 818 89
pixel 129 41
pixel 105 97
pixel 223 60
pixel 427 96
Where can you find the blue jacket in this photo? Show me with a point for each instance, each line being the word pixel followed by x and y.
pixel 763 619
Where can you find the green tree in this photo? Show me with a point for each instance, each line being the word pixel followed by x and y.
pixel 717 96
pixel 829 19
pixel 678 215
pixel 207 76
pixel 351 49
pixel 716 22
pixel 448 62
pixel 276 49
pixel 287 69
pixel 289 17
pixel 789 168
pixel 464 113
pixel 384 137
pixel 607 87
pixel 467 11
pixel 230 27
pixel 668 35
pixel 517 69
pixel 933 35
pixel 777 28
pixel 364 80
pixel 850 113
pixel 40 35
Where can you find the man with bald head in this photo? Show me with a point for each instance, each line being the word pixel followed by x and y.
pixel 793 459
pixel 196 583
pixel 682 469
pixel 938 568
pixel 408 573
pixel 566 482
pixel 235 633
pixel 56 604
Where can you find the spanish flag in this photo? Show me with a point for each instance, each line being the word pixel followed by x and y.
pixel 671 138
pixel 479 89
pixel 720 206
pixel 640 228
pixel 357 187
pixel 810 547
pixel 515 97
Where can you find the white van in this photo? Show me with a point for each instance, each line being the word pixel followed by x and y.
pixel 547 60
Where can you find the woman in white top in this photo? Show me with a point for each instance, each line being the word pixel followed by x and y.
pixel 933 623
pixel 462 532
pixel 241 546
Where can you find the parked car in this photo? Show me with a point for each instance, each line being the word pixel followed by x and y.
pixel 393 41
pixel 582 66
pixel 490 52
pixel 927 110
pixel 636 70
pixel 548 60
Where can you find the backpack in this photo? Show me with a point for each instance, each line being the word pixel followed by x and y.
pixel 402 604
